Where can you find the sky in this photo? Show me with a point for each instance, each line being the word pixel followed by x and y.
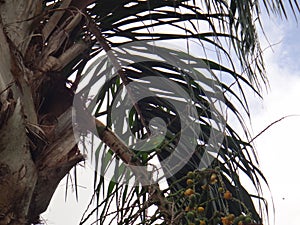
pixel 278 147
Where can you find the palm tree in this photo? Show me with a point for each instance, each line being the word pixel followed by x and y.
pixel 46 48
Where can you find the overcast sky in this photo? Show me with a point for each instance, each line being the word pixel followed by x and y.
pixel 278 147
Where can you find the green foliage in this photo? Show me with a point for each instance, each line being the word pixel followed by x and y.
pixel 226 32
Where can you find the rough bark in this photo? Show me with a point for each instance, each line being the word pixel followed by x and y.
pixel 54 163
pixel 32 161
pixel 17 171
pixel 37 147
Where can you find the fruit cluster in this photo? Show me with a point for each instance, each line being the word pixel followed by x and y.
pixel 198 199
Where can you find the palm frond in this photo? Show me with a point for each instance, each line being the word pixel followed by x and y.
pixel 234 153
pixel 230 52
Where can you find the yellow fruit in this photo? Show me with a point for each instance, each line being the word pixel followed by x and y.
pixel 200 209
pixel 205 187
pixel 226 221
pixel 214 181
pixel 231 217
pixel 220 190
pixel 227 195
pixel 213 177
pixel 189 192
pixel 202 222
pixel 189 181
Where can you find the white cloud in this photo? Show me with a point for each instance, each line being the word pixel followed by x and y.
pixel 278 147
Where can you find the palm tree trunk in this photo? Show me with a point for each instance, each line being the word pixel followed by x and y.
pixel 28 179
pixel 18 174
